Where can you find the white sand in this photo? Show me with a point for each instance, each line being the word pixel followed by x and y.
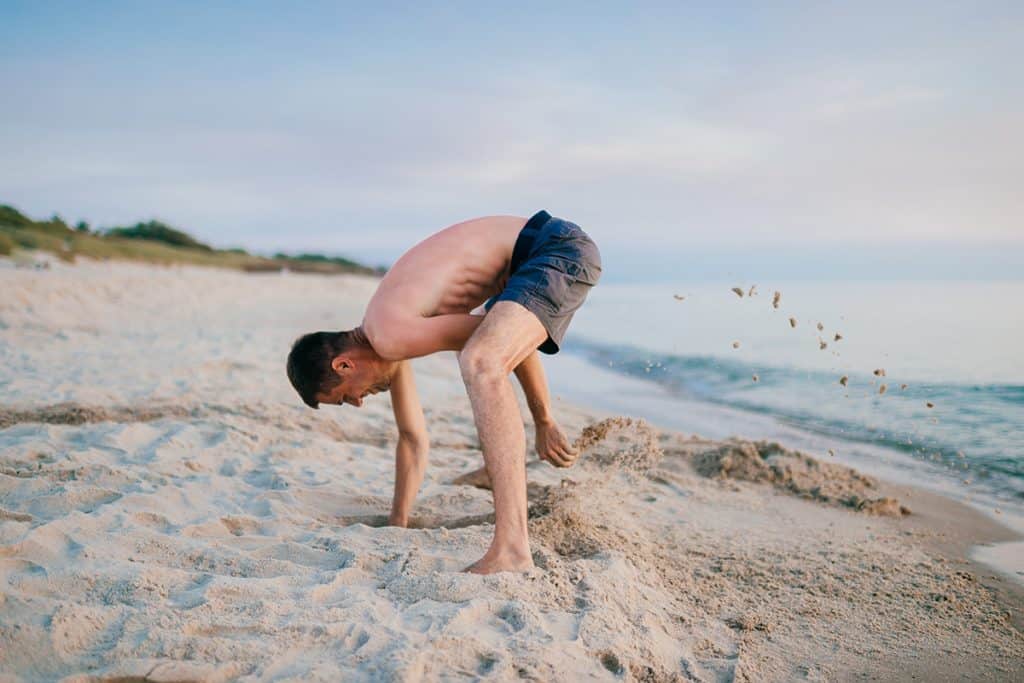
pixel 169 510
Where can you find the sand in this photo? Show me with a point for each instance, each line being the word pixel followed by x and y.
pixel 170 511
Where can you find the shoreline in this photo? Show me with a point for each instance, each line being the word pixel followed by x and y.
pixel 588 384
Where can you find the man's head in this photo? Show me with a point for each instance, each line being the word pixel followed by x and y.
pixel 337 367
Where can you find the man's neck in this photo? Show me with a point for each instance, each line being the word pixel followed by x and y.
pixel 359 337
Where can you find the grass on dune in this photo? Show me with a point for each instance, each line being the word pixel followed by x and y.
pixel 151 242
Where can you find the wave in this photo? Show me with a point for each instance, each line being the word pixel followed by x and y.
pixel 974 430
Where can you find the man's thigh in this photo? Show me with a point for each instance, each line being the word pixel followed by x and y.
pixel 508 334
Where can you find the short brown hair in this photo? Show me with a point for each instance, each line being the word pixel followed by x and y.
pixel 309 363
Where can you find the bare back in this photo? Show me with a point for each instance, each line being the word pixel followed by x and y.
pixel 452 271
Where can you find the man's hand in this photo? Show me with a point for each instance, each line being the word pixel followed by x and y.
pixel 553 446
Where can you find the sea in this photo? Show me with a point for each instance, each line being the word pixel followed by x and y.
pixel 915 382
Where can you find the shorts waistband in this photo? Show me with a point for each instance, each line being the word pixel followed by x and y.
pixel 526 237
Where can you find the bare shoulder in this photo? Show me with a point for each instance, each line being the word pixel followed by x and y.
pixel 382 325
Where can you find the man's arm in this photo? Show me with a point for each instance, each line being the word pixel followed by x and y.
pixel 413 444
pixel 530 374
pixel 552 445
pixel 422 336
pixel 414 336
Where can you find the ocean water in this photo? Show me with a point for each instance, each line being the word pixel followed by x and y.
pixel 953 345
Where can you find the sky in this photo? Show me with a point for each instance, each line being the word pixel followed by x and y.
pixel 875 137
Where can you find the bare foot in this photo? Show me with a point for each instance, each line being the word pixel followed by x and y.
pixel 477 478
pixel 494 562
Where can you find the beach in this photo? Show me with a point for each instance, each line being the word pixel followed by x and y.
pixel 170 511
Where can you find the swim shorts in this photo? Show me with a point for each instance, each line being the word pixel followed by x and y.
pixel 554 265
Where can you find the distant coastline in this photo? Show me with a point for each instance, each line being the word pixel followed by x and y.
pixel 153 242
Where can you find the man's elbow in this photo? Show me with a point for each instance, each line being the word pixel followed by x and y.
pixel 417 441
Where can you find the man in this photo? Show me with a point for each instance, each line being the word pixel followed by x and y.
pixel 533 275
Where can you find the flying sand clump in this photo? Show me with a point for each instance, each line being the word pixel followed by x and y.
pixel 641 454
pixel 738 291
pixel 792 322
pixel 776 299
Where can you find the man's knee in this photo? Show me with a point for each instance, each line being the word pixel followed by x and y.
pixel 478 363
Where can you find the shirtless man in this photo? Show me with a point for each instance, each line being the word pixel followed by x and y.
pixel 531 276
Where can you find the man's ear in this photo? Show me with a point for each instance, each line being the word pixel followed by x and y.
pixel 341 364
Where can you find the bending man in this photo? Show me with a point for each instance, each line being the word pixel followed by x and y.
pixel 531 276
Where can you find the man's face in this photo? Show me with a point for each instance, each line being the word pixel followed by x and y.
pixel 358 380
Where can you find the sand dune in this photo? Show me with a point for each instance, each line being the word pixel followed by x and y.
pixel 169 510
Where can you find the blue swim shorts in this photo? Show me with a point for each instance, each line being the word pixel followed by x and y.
pixel 554 265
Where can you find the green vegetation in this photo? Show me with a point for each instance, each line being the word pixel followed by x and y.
pixel 158 232
pixel 318 259
pixel 152 242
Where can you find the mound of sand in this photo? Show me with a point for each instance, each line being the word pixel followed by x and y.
pixel 796 473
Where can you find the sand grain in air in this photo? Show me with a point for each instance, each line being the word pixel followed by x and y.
pixel 776 299
pixel 678 297
pixel 738 291
pixel 844 380
pixel 792 322
pixel 735 345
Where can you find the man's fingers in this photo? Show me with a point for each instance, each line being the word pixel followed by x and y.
pixel 565 447
pixel 555 458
